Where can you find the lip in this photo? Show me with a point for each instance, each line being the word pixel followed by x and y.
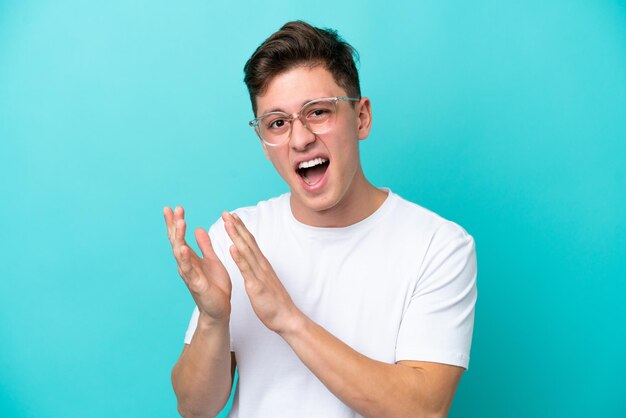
pixel 308 158
pixel 317 187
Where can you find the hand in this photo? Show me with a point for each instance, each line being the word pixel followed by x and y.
pixel 269 298
pixel 206 278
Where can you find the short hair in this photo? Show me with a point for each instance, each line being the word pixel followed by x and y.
pixel 297 44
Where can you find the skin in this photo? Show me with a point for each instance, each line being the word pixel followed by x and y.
pixel 348 197
pixel 202 377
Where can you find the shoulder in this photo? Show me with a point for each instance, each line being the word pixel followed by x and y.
pixel 263 207
pixel 447 257
pixel 266 211
pixel 430 225
pixel 449 251
pixel 265 214
pixel 269 210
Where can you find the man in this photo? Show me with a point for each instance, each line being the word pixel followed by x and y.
pixel 338 299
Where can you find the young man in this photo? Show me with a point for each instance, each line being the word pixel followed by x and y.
pixel 338 299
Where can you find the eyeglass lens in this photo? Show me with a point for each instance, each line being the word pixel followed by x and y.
pixel 318 117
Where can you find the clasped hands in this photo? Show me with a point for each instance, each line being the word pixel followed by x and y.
pixel 209 282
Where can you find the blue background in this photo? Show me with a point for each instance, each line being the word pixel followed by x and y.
pixel 507 118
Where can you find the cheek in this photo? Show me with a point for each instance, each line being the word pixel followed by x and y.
pixel 280 161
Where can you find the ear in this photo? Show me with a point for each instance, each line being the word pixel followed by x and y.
pixel 267 154
pixel 364 118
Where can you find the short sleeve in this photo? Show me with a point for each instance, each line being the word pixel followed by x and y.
pixel 193 324
pixel 215 236
pixel 438 322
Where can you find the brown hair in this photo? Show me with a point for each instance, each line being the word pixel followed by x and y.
pixel 300 44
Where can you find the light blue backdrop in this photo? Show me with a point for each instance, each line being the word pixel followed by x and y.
pixel 507 118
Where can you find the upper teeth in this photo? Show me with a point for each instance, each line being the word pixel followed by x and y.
pixel 311 163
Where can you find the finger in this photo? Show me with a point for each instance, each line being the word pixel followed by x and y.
pixel 242 264
pixel 169 217
pixel 204 243
pixel 247 236
pixel 179 236
pixel 243 248
pixel 235 233
pixel 179 212
pixel 258 264
pixel 186 263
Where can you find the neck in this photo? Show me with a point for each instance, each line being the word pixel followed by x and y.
pixel 360 201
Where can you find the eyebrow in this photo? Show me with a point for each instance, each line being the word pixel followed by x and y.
pixel 278 109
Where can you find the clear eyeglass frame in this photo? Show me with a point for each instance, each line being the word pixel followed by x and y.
pixel 283 116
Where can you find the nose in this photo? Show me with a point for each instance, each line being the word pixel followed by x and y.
pixel 301 136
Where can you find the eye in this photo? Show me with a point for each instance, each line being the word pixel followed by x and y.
pixel 277 122
pixel 319 112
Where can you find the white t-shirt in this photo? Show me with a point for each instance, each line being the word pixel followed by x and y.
pixel 399 285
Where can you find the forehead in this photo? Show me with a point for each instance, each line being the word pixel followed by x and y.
pixel 288 91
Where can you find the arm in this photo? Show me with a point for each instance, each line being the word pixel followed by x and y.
pixel 370 387
pixel 202 376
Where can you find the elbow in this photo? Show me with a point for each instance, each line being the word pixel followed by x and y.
pixel 422 413
pixel 439 410
pixel 192 404
pixel 414 413
pixel 435 409
pixel 189 409
pixel 184 412
pixel 437 414
pixel 189 413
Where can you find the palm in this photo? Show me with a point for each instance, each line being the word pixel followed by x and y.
pixel 211 286
pixel 206 277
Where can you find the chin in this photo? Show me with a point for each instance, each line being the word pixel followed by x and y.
pixel 320 203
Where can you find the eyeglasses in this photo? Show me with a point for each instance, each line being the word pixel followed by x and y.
pixel 318 116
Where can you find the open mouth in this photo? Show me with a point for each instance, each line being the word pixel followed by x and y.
pixel 313 171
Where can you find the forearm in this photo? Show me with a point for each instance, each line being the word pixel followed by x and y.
pixel 202 376
pixel 370 387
